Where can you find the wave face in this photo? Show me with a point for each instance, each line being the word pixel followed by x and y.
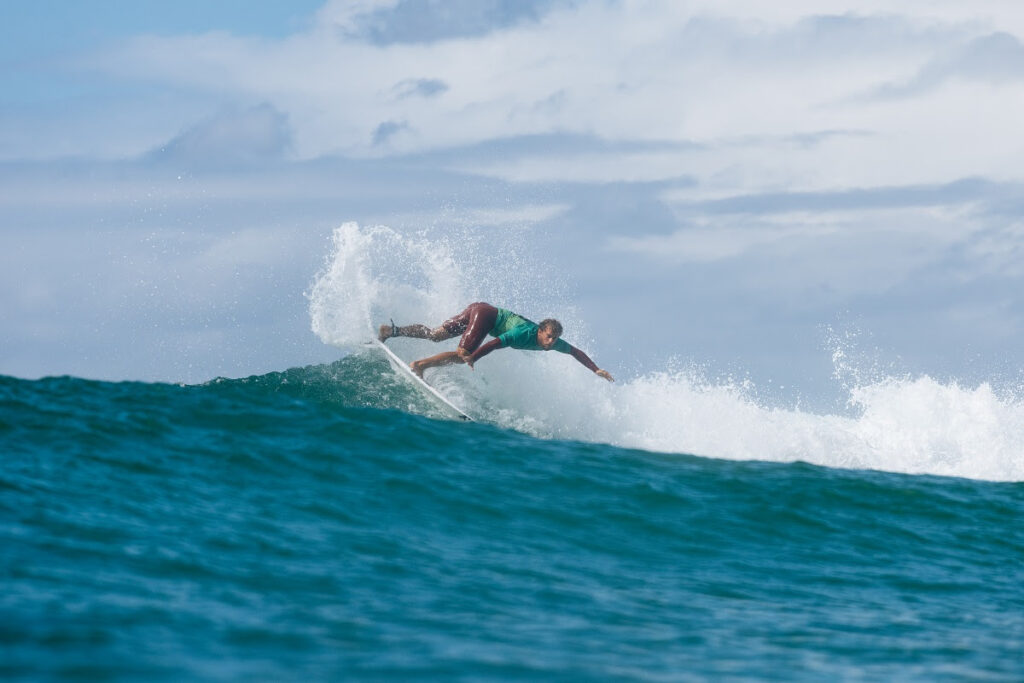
pixel 898 424
pixel 317 523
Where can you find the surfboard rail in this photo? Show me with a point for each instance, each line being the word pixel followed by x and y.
pixel 403 369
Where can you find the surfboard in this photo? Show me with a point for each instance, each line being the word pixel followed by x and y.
pixel 403 369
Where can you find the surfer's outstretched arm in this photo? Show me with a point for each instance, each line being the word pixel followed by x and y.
pixel 576 353
pixel 589 364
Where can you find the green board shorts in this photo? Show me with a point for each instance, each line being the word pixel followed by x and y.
pixel 480 319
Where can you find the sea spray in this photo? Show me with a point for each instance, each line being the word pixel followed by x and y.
pixel 340 298
pixel 375 273
pixel 900 424
pixel 918 425
pixel 923 425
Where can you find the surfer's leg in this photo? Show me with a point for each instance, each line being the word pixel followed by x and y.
pixel 387 331
pixel 482 317
pixel 452 327
pixel 444 358
pixel 416 331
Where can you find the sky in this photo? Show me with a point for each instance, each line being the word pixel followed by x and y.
pixel 737 185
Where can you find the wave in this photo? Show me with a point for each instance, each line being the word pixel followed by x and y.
pixel 914 425
pixel 262 526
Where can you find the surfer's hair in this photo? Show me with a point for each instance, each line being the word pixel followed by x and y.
pixel 551 324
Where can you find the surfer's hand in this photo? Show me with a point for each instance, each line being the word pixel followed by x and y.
pixel 468 360
pixel 605 374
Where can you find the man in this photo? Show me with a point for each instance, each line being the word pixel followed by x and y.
pixel 475 323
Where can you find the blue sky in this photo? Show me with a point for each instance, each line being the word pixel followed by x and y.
pixel 37 38
pixel 719 182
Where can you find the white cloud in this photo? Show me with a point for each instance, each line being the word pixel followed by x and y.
pixel 1001 248
pixel 995 59
pixel 254 134
pixel 727 75
pixel 509 216
pixel 847 252
pixel 344 15
pixel 419 87
pixel 708 242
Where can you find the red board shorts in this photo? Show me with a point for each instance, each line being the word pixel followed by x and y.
pixel 473 323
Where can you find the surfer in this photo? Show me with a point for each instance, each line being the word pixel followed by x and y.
pixel 475 323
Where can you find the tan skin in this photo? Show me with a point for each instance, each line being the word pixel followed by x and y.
pixel 546 339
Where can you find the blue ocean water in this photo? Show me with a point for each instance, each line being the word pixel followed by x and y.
pixel 323 523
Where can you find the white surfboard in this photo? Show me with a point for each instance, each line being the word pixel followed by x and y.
pixel 403 369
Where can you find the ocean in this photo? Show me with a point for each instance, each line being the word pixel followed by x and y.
pixel 325 523
pixel 328 522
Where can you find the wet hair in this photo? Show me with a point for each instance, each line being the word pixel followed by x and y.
pixel 552 325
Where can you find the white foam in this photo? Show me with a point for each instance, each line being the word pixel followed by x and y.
pixel 918 425
pixel 912 425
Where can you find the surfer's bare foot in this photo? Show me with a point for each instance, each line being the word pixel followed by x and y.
pixel 385 332
pixel 417 367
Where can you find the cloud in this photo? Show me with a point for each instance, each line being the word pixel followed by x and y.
pixel 482 216
pixel 418 21
pixel 386 131
pixel 997 58
pixel 930 242
pixel 347 16
pixel 420 87
pixel 810 265
pixel 959 192
pixel 999 249
pixel 709 243
pixel 738 95
pixel 231 137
